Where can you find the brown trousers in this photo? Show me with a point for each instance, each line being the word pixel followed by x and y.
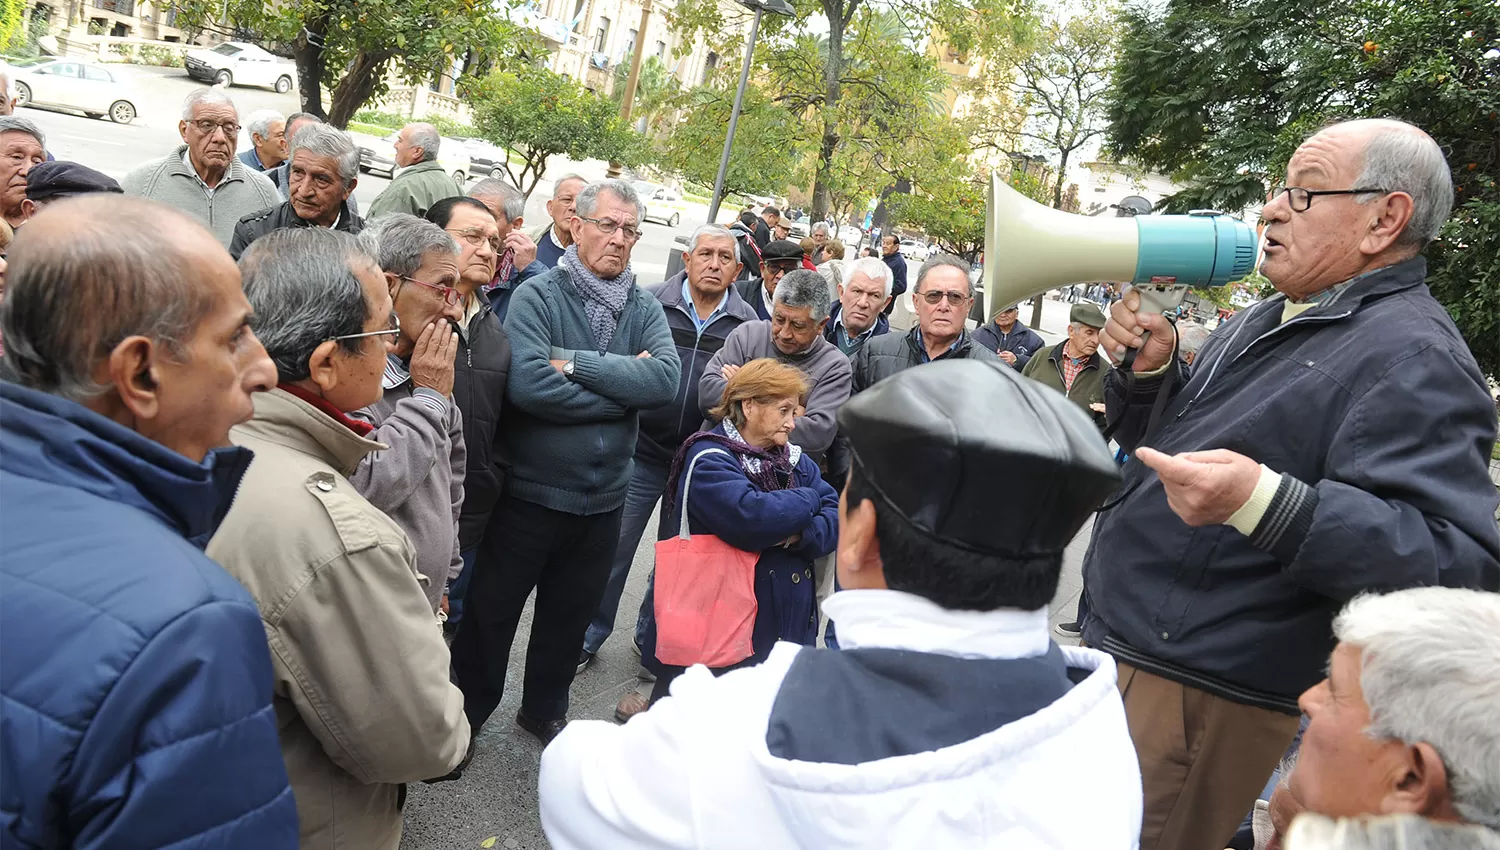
pixel 1203 759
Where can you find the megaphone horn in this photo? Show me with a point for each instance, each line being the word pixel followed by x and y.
pixel 1030 249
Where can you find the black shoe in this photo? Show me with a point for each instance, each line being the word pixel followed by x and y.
pixel 458 772
pixel 1071 630
pixel 544 730
pixel 584 659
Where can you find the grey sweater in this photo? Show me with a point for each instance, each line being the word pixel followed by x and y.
pixel 572 440
pixel 241 192
pixel 419 481
pixel 825 366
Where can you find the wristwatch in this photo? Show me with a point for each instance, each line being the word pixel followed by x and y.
pixel 568 369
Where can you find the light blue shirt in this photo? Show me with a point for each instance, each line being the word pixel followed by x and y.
pixel 692 309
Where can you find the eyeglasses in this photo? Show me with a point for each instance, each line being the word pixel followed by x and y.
pixel 393 330
pixel 782 267
pixel 450 295
pixel 608 227
pixel 477 238
pixel 933 296
pixel 1300 199
pixel 207 128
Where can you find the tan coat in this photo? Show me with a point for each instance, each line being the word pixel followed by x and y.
pixel 362 697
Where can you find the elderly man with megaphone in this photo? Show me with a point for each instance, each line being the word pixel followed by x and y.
pixel 1326 442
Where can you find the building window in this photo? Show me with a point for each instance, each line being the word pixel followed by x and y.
pixel 577 23
pixel 661 50
pixel 601 35
pixel 630 44
pixel 709 64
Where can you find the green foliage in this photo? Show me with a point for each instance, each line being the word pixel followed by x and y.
pixel 534 114
pixel 654 91
pixel 769 142
pixel 953 216
pixel 1209 93
pixel 11 15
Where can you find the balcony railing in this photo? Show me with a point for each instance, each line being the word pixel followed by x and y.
pixel 119 7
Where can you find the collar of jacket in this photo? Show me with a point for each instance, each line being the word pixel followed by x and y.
pixel 1372 286
pixel 286 215
pixel 669 293
pixel 891 619
pixel 286 420
pixel 421 168
pixel 959 348
pixel 234 173
pixel 882 325
pixel 52 439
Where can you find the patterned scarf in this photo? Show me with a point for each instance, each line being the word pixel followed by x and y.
pixel 603 300
pixel 760 465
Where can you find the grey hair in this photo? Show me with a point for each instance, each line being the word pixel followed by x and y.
pixel 424 136
pixel 874 269
pixel 303 284
pixel 804 288
pixel 571 175
pixel 303 117
pixel 512 202
pixel 1190 337
pixel 259 122
pixel 120 272
pixel 16 124
pixel 323 140
pixel 1312 831
pixel 1429 657
pixel 588 200
pixel 820 226
pixel 712 231
pixel 205 96
pixel 1401 158
pixel 403 241
pixel 940 260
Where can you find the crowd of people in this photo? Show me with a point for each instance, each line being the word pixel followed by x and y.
pixel 277 482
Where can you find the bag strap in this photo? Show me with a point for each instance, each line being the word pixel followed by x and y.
pixel 687 479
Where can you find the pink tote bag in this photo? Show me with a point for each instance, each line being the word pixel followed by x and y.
pixel 705 595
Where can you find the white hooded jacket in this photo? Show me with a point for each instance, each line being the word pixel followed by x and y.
pixel 695 771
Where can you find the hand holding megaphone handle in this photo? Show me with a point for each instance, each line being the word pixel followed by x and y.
pixel 1160 298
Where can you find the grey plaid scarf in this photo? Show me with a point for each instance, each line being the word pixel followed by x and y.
pixel 603 300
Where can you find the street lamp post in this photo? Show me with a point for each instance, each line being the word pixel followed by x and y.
pixel 779 7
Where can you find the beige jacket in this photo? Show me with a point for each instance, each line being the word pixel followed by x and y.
pixel 362 697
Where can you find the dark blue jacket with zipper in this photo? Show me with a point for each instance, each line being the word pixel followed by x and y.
pixel 1376 415
pixel 664 429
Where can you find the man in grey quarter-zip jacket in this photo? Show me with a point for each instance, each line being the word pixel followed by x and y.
pixel 1302 460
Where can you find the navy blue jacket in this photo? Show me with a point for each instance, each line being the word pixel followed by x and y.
pixel 897 262
pixel 831 330
pixel 1375 408
pixel 1021 341
pixel 726 503
pixel 135 677
pixel 500 293
pixel 664 428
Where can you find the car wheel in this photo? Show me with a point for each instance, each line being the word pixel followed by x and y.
pixel 224 78
pixel 498 173
pixel 673 221
pixel 459 178
pixel 122 112
pixel 283 84
pixel 23 94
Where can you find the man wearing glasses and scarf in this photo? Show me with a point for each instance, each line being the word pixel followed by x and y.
pixel 590 348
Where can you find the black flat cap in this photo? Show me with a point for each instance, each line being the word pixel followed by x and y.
pixel 781 249
pixel 973 454
pixel 62 179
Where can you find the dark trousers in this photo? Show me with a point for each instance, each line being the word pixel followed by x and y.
pixel 566 559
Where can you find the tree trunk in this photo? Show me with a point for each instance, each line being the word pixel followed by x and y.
pixel 1057 185
pixel 354 90
pixel 831 75
pixel 307 52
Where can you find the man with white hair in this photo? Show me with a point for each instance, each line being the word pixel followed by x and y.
pixel 820 235
pixel 1404 723
pixel 202 177
pixel 22 147
pixel 267 129
pixel 1300 461
pixel 858 315
pixel 517 262
pixel 324 169
pixel 552 239
pixel 420 181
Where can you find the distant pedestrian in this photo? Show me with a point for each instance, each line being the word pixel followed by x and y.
pixel 1074 366
pixel 552 239
pixel 890 252
pixel 1009 338
pixel 419 180
pixel 268 145
pixel 202 177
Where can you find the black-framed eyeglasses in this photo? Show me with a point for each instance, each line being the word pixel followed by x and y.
pixel 393 330
pixel 933 296
pixel 450 295
pixel 1300 199
pixel 608 227
pixel 783 266
pixel 207 128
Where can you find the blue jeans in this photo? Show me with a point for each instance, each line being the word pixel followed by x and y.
pixel 647 483
pixel 460 586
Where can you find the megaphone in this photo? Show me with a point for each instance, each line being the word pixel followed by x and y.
pixel 1030 248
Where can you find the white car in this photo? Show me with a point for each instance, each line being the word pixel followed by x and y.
pixel 662 204
pixel 238 63
pixel 84 86
pixel 911 249
pixel 379 156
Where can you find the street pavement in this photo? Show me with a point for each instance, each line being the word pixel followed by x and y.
pixel 496 799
